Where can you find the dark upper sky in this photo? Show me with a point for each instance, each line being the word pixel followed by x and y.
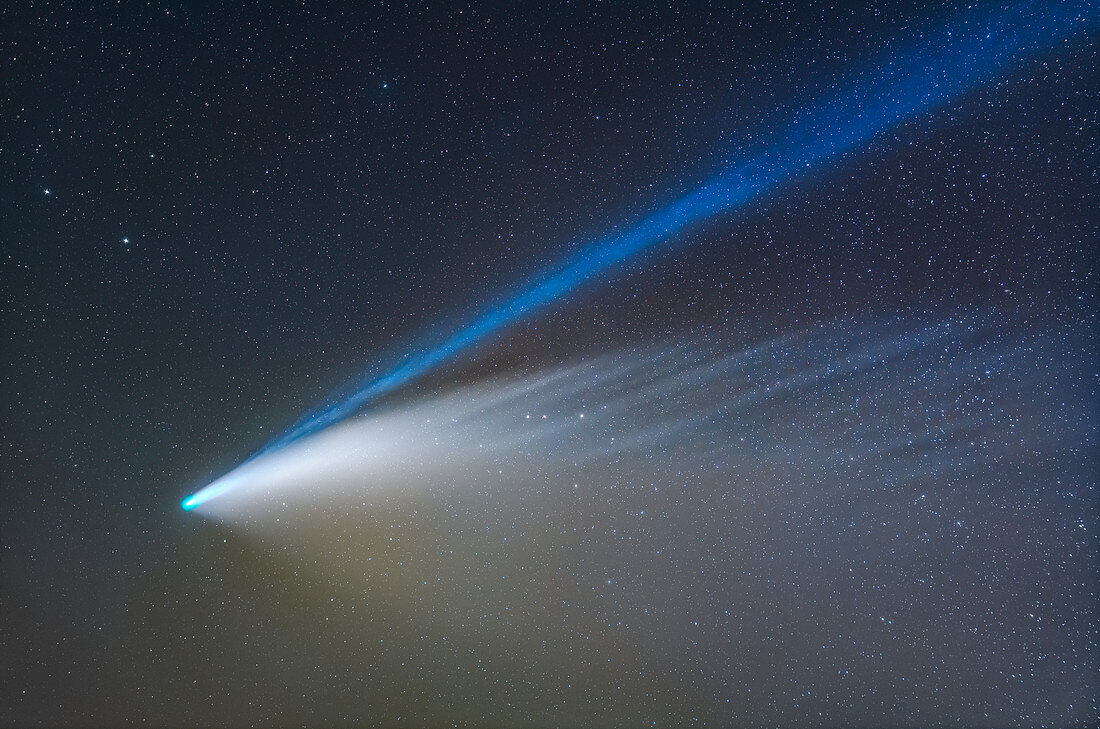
pixel 211 218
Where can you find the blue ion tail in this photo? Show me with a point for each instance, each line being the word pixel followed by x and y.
pixel 973 49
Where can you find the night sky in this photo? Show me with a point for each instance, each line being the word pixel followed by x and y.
pixel 823 457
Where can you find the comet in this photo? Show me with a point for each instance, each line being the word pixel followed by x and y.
pixel 902 85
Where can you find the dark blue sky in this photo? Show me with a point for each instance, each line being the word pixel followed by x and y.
pixel 212 219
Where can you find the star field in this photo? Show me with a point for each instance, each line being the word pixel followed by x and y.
pixel 824 458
